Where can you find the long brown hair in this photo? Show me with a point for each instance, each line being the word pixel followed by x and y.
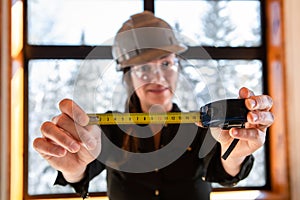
pixel 132 105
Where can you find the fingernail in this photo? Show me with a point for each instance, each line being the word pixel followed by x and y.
pixel 254 117
pixel 252 103
pixel 54 119
pixel 74 147
pixel 83 120
pixel 61 152
pixel 91 144
pixel 234 132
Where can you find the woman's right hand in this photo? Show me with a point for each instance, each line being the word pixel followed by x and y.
pixel 68 143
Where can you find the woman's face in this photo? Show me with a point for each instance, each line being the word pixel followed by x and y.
pixel 155 82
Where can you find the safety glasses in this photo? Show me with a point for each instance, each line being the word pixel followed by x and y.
pixel 150 71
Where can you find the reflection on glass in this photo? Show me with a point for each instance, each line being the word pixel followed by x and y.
pixel 97 87
pixel 213 23
pixel 88 22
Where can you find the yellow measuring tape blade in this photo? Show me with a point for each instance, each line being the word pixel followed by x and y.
pixel 144 118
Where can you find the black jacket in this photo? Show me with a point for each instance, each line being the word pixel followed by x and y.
pixel 187 177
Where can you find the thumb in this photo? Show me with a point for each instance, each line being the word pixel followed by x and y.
pixel 74 111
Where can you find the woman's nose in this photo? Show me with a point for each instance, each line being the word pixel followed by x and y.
pixel 158 75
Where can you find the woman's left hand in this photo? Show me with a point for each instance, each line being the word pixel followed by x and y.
pixel 252 137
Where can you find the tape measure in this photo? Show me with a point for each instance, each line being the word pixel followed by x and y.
pixel 225 114
pixel 144 118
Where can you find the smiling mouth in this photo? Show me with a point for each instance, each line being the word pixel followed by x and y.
pixel 158 90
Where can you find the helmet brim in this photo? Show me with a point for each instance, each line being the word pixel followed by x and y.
pixel 147 55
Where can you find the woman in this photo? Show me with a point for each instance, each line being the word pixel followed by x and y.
pixel 135 156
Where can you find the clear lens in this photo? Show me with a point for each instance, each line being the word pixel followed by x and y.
pixel 147 72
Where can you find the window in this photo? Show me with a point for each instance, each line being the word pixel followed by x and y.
pixel 60 39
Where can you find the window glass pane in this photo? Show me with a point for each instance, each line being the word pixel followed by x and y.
pixel 69 22
pixel 213 23
pixel 87 81
pixel 230 75
pixel 49 81
pixel 224 78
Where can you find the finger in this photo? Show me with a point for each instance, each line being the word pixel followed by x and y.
pixel 262 102
pixel 48 149
pixel 82 134
pixel 216 133
pixel 260 117
pixel 60 137
pixel 245 93
pixel 253 135
pixel 199 124
pixel 94 140
pixel 220 135
pixel 74 111
pixel 64 122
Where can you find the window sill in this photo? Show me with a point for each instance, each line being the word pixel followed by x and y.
pixel 224 195
pixel 248 195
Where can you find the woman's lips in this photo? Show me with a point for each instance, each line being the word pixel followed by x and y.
pixel 158 90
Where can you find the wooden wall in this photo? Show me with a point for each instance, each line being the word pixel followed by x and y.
pixel 5 74
pixel 292 99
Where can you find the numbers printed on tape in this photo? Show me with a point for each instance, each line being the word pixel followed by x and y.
pixel 144 118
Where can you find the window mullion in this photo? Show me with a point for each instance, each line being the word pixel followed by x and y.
pixel 224 53
pixel 104 52
pixel 68 52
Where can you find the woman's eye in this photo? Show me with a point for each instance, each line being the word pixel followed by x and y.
pixel 166 64
pixel 145 68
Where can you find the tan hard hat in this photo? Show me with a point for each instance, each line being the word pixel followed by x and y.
pixel 144 38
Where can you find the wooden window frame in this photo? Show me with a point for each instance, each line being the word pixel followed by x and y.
pixel 5 98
